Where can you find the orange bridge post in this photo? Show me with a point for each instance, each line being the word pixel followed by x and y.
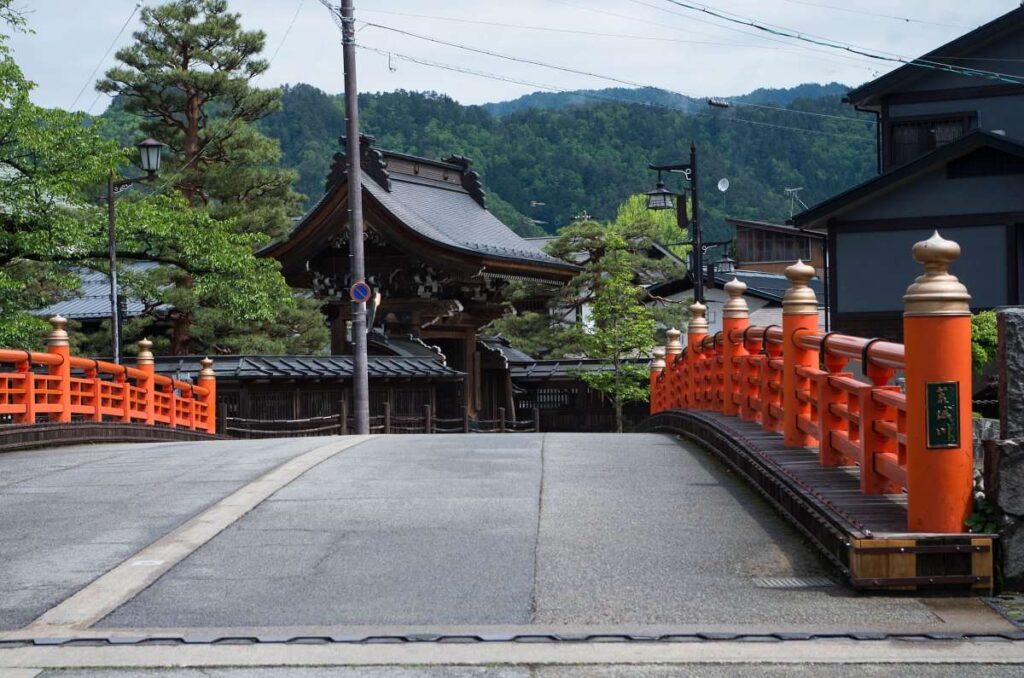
pixel 735 318
pixel 799 314
pixel 145 364
pixel 657 367
pixel 208 380
pixel 673 384
pixel 57 343
pixel 937 337
pixel 696 330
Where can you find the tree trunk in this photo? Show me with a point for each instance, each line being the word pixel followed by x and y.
pixel 618 417
pixel 181 327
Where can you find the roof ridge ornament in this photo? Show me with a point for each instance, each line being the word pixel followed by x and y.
pixel 371 160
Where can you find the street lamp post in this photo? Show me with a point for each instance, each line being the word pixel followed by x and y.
pixel 662 198
pixel 149 162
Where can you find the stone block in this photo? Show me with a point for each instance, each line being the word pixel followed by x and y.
pixel 1011 549
pixel 1011 371
pixel 984 429
pixel 1004 476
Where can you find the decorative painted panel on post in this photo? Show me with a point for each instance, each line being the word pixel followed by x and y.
pixel 792 380
pixel 57 386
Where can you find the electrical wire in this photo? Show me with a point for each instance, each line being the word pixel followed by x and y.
pixel 875 14
pixel 574 71
pixel 91 78
pixel 853 49
pixel 599 97
pixel 825 54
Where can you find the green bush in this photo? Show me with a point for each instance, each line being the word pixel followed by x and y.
pixel 984 339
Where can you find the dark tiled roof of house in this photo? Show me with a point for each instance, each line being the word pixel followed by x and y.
pixel 336 367
pixel 817 216
pixel 93 299
pixel 563 368
pixel 950 53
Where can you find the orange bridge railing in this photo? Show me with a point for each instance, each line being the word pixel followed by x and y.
pixel 55 386
pixel 793 380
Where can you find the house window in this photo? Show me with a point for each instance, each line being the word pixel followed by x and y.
pixel 762 246
pixel 909 139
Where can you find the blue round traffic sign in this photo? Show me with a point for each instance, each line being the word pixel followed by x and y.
pixel 359 292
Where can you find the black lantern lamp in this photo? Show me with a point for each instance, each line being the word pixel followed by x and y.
pixel 149 155
pixel 660 198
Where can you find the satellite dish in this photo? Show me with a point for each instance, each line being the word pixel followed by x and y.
pixel 723 185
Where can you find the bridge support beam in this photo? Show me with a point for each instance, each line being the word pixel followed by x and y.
pixel 937 335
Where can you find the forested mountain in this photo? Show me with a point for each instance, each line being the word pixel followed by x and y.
pixel 590 158
pixel 576 159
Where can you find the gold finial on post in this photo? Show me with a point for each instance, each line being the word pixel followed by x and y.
pixel 698 322
pixel 673 345
pixel 936 291
pixel 658 359
pixel 207 368
pixel 736 307
pixel 58 336
pixel 145 352
pixel 800 298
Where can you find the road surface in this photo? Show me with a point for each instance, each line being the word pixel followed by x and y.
pixel 442 535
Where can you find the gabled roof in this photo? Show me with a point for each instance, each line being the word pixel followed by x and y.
pixel 333 367
pixel 785 229
pixel 967 44
pixel 817 217
pixel 768 286
pixel 437 203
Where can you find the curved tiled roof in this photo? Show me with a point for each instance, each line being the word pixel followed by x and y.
pixel 244 367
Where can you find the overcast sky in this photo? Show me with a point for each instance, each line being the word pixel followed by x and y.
pixel 683 51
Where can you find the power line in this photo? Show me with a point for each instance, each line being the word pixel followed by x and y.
pixel 875 14
pixel 596 96
pixel 287 32
pixel 103 58
pixel 853 49
pixel 574 71
pixel 831 56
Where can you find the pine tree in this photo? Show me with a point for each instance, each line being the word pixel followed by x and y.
pixel 191 77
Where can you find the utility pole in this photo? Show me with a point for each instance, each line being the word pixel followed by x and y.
pixel 696 237
pixel 360 379
pixel 115 315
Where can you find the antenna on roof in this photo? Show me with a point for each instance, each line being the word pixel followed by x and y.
pixel 795 198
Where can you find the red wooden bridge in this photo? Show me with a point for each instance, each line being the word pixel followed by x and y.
pixel 66 398
pixel 876 468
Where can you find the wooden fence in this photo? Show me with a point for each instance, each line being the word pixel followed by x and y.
pixel 341 424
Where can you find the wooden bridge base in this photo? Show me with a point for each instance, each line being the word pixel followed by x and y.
pixel 863 536
pixel 24 437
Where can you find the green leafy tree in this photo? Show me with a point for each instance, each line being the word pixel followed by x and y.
pixel 984 339
pixel 623 329
pixel 189 77
pixel 588 243
pixel 48 162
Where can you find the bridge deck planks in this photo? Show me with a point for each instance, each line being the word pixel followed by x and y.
pixel 837 487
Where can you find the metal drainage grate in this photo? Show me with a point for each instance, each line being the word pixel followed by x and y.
pixel 793 582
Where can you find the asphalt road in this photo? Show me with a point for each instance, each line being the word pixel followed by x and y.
pixel 465 534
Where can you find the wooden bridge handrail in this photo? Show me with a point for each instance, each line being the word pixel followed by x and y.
pixel 792 380
pixel 97 390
